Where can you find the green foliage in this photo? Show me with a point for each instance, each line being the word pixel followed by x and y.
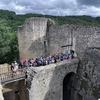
pixel 8 41
pixel 9 23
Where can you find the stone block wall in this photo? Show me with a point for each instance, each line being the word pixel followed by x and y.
pixel 37 37
pixel 5 68
pixel 73 37
pixel 86 37
pixel 60 38
pixel 31 38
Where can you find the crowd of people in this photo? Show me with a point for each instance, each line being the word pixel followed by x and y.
pixel 42 61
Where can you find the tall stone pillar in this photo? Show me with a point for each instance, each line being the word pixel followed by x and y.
pixel 31 38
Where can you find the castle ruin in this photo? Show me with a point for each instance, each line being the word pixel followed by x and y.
pixel 78 79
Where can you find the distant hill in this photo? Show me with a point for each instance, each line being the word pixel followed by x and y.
pixel 9 23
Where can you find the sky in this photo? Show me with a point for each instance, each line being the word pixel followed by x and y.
pixel 53 7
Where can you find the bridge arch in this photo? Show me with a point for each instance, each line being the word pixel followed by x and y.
pixel 68 85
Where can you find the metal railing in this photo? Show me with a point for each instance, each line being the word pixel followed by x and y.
pixel 11 76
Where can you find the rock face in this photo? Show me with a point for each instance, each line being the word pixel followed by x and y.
pixel 89 72
pixel 46 82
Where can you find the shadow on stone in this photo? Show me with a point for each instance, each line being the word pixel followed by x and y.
pixel 61 86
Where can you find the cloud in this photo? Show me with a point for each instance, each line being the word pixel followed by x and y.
pixel 95 3
pixel 53 7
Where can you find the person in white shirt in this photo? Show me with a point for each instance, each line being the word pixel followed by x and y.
pixel 15 66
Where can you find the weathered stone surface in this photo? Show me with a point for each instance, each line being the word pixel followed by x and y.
pixel 5 68
pixel 90 74
pixel 39 37
pixel 31 37
pixel 47 81
pixel 36 38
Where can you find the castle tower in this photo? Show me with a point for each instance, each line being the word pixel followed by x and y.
pixel 32 38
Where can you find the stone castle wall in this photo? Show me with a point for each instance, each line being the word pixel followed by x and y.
pixel 31 38
pixel 38 38
pixel 89 73
pixel 84 36
pixel 77 38
pixel 60 38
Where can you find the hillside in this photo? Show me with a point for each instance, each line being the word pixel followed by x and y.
pixel 9 23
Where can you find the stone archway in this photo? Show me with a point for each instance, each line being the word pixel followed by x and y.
pixel 68 86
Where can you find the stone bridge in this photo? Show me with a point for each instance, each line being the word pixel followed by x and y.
pixel 49 82
pixel 41 83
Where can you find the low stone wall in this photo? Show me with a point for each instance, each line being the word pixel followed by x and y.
pixel 4 68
